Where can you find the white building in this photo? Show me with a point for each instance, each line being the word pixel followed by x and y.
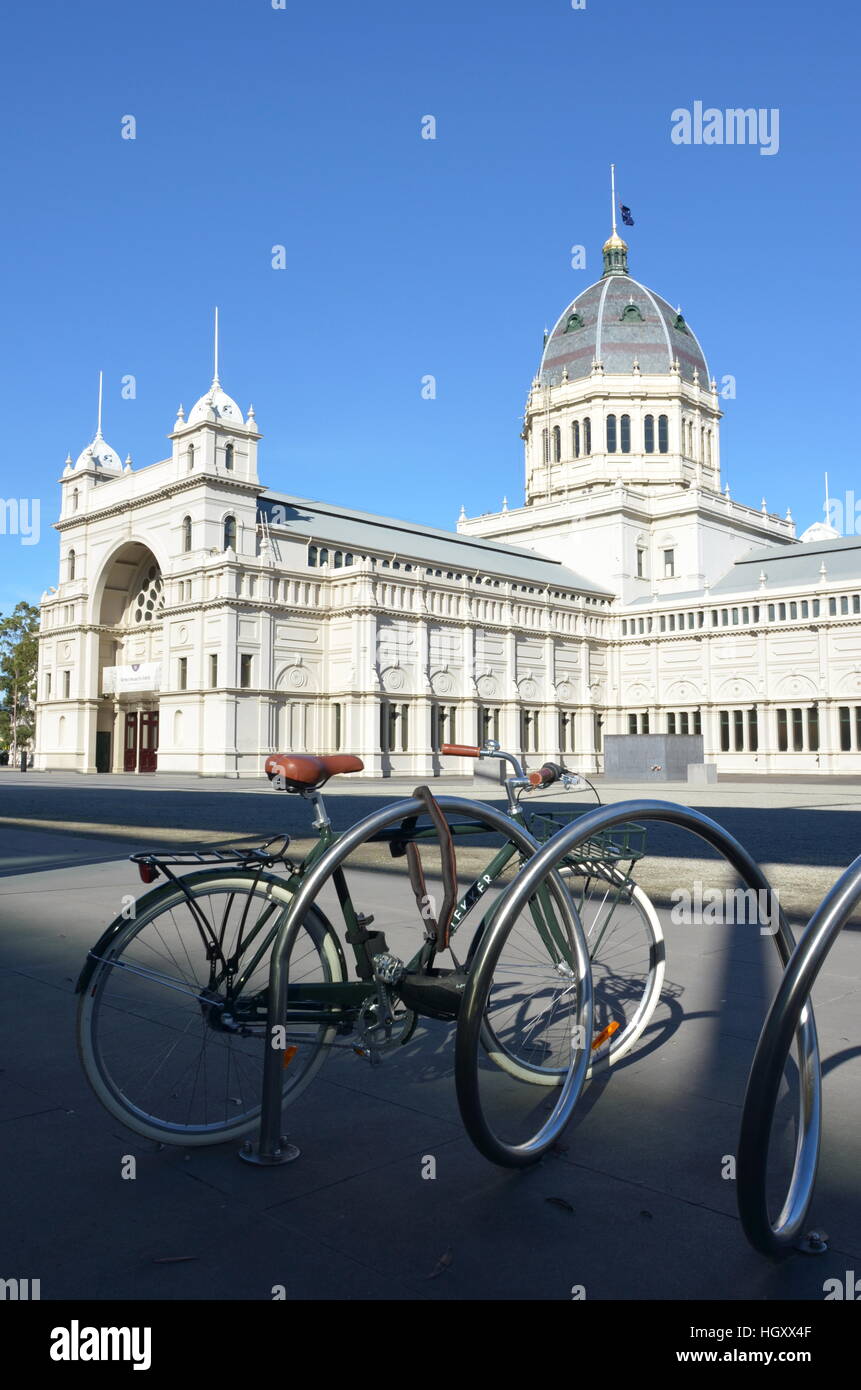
pixel 203 620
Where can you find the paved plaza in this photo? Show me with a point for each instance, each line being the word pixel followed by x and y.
pixel 632 1205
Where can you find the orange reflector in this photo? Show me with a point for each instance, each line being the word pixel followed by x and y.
pixel 289 1054
pixel 604 1034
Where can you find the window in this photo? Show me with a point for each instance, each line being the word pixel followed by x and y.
pixel 488 724
pixel 587 436
pixel 76 497
pixel 738 730
pixel 566 731
pixel 228 456
pixel 782 731
pixel 545 445
pixel 611 434
pixel 724 730
pixel 671 723
pixel 71 564
pixel 632 723
pixel 324 555
pixel 443 726
pixel 529 730
pixel 625 434
pixel 348 558
pixel 48 685
pixel 813 729
pixel 190 457
pixel 684 722
pixel 312 556
pixel 663 434
pixel 67 684
pixel 230 533
pixel 245 669
pixel 641 562
pixel 797 731
pixel 182 673
pixel 649 434
pixel 669 564
pixel 752 730
pixel 213 670
pixel 557 443
pixel 845 724
pixel 336 728
pixel 186 534
pixel 339 559
pixel 575 439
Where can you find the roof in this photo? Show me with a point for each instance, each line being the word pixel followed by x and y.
pixel 784 566
pixel 615 322
pixel 365 532
pixel 795 564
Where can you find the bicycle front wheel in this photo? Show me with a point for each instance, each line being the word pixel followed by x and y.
pixel 526 1012
pixel 151 1027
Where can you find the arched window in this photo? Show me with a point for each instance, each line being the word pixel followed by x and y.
pixel 71 564
pixel 186 533
pixel 190 457
pixel 625 434
pixel 611 434
pixel 708 450
pixel 339 559
pixel 587 436
pixel 649 434
pixel 324 556
pixel 230 533
pixel 76 497
pixel 228 456
pixel 348 558
pixel 545 445
pixel 312 556
pixel 663 434
pixel 575 439
pixel 557 443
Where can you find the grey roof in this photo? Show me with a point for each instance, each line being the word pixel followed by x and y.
pixel 615 321
pixel 795 564
pixel 323 522
pixel 784 566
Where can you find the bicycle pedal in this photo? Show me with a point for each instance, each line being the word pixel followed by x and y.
pixel 388 968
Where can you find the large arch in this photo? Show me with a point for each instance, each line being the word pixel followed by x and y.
pixel 127 601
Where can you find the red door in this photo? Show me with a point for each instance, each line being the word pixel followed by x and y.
pixel 130 750
pixel 149 741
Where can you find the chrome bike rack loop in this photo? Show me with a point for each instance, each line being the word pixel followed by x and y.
pixel 796 1016
pixel 790 1007
pixel 272 1148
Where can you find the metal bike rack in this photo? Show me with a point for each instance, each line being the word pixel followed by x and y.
pixel 790 1013
pixel 790 1008
pixel 272 1147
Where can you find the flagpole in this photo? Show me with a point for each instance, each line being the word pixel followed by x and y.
pixel 613 195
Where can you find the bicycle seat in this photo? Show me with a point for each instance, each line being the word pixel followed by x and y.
pixel 302 772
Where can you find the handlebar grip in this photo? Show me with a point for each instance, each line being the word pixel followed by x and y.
pixel 460 750
pixel 546 775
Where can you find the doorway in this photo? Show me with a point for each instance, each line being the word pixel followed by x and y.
pixel 130 747
pixel 140 753
pixel 103 750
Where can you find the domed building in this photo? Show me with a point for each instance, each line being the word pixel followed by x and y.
pixel 203 620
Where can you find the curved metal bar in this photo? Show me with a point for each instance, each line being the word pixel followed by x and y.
pixel 790 1005
pixel 393 811
pixel 810 1080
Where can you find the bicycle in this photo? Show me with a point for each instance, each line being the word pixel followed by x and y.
pixel 176 1002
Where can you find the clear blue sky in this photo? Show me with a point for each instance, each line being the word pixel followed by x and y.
pixel 405 256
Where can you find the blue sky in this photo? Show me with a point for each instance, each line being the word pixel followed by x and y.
pixel 405 256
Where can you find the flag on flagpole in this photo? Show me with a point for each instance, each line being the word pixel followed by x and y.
pixel 626 215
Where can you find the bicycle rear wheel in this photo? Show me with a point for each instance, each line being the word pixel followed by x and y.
pixel 149 1020
pixel 528 994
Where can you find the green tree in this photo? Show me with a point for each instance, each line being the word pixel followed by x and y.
pixel 19 656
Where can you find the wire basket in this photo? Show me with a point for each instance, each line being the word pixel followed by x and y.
pixel 624 843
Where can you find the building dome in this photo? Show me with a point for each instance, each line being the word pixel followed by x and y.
pixel 621 324
pixel 216 402
pixel 99 455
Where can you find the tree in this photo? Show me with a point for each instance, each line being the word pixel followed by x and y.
pixel 19 657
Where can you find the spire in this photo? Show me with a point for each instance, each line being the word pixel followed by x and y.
pixel 615 249
pixel 99 427
pixel 215 380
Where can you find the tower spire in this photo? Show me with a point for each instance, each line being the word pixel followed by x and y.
pixel 613 197
pixel 99 426
pixel 615 249
pixel 215 380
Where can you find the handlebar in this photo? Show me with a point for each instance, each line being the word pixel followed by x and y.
pixel 461 750
pixel 546 775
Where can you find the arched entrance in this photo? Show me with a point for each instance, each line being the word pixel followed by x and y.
pixel 129 613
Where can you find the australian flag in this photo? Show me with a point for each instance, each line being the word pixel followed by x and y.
pixel 626 215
